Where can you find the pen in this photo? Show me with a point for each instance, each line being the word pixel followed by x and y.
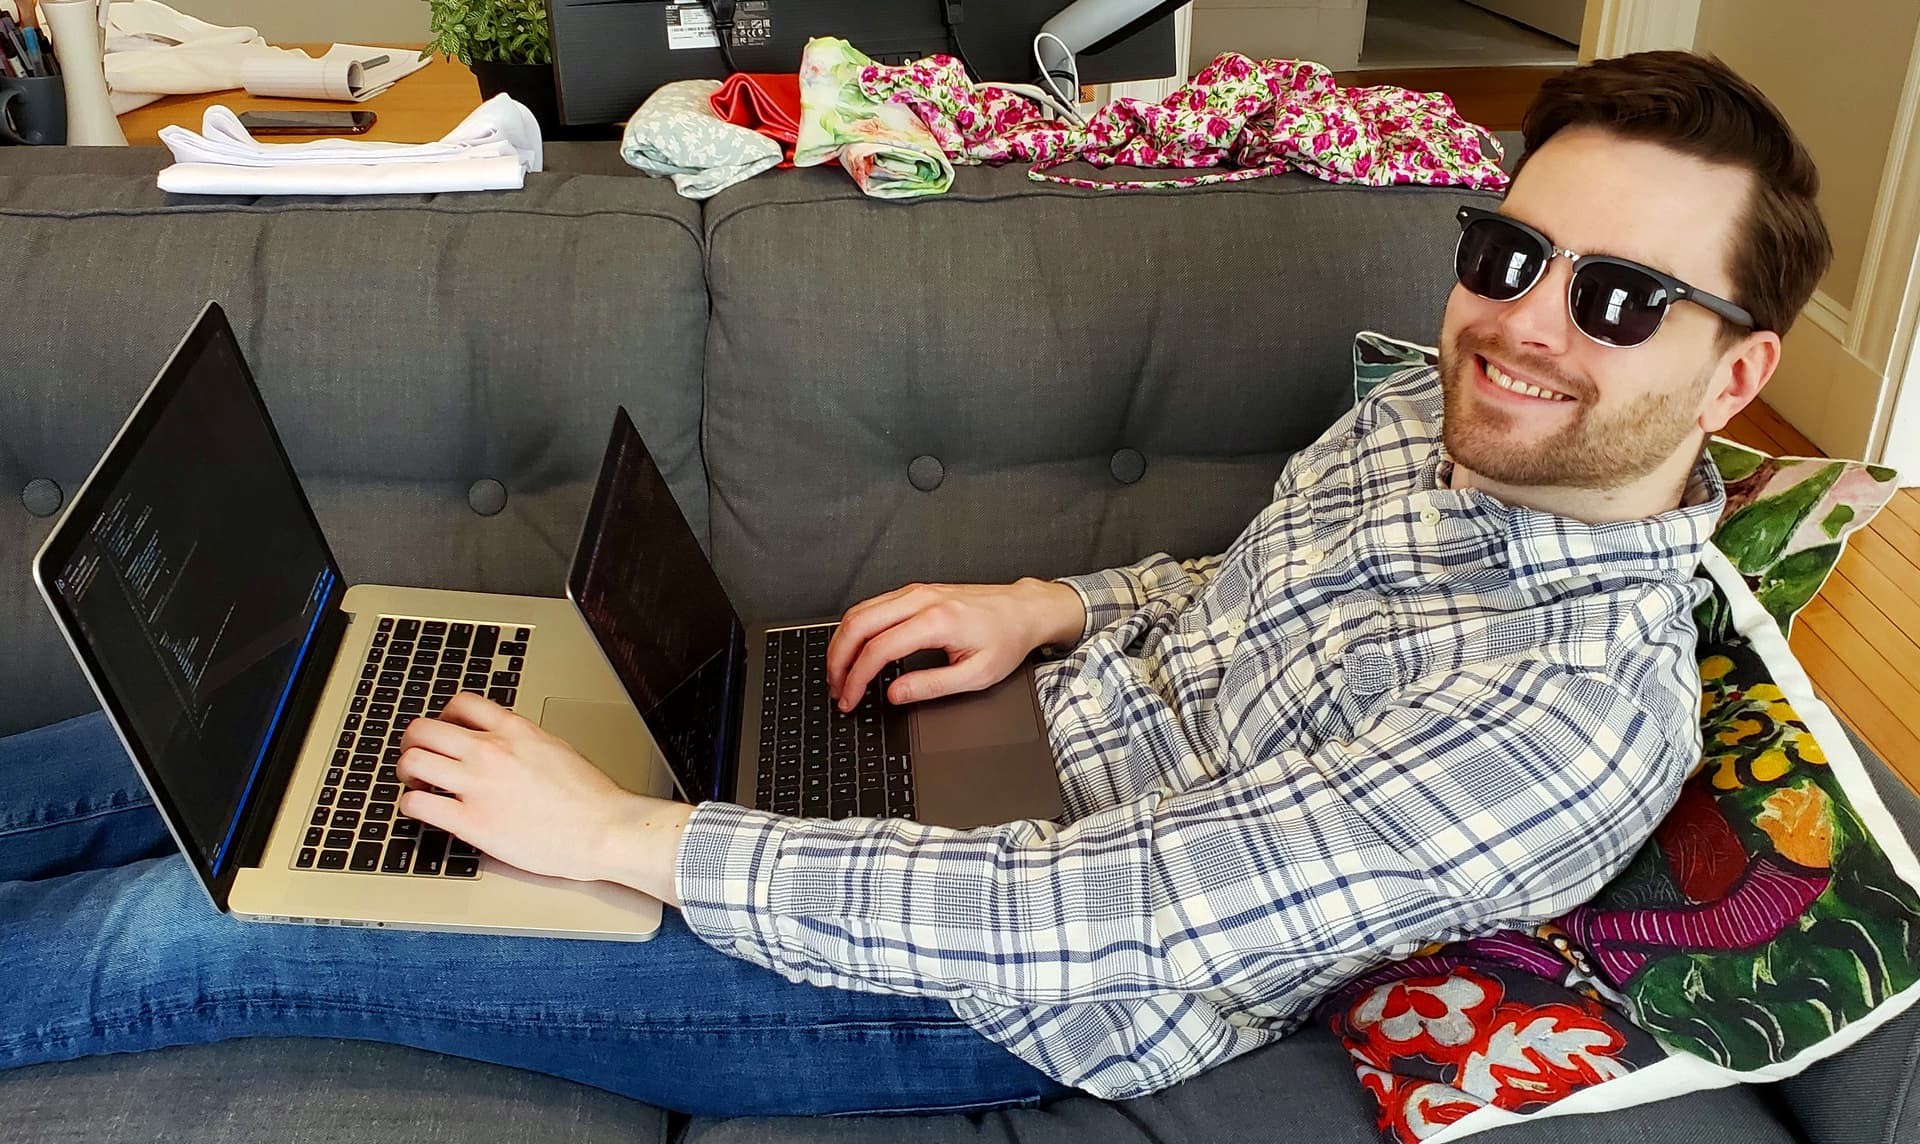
pixel 375 61
pixel 37 60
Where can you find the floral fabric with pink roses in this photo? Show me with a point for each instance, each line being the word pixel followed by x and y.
pixel 1260 117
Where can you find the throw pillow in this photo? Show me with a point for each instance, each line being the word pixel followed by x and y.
pixel 1772 920
pixel 1787 518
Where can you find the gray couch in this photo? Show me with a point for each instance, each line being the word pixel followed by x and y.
pixel 1008 379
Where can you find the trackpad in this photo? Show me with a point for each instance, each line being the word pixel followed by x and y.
pixel 1002 715
pixel 613 738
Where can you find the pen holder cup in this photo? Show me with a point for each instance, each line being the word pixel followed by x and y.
pixel 33 111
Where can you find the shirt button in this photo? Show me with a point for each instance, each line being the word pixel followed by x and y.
pixel 1312 555
pixel 1094 689
pixel 1236 626
pixel 1429 516
pixel 1307 479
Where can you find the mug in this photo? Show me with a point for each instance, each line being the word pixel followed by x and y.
pixel 33 110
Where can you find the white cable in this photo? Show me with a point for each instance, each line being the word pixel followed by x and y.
pixel 1070 100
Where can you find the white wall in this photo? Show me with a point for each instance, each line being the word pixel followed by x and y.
pixel 321 22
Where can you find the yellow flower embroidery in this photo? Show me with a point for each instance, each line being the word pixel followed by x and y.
pixel 1740 731
pixel 1808 750
pixel 1771 765
pixel 1726 774
pixel 1715 667
pixel 1765 692
pixel 1800 823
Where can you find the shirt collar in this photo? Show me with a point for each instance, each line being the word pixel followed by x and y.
pixel 1544 547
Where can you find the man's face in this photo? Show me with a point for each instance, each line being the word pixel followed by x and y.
pixel 1616 414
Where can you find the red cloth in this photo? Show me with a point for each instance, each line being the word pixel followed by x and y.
pixel 768 103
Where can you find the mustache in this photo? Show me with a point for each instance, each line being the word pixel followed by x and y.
pixel 1491 346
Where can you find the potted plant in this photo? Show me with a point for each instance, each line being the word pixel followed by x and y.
pixel 507 45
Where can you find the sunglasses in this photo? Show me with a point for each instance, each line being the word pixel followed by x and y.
pixel 1611 300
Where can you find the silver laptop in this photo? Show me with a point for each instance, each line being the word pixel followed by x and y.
pixel 262 699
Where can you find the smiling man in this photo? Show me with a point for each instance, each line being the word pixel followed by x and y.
pixel 1443 684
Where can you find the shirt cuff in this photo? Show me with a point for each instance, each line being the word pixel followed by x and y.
pixel 724 875
pixel 1109 596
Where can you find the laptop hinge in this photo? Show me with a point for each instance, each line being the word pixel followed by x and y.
pixel 261 810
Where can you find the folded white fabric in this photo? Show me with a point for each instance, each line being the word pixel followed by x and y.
pixel 492 149
pixel 152 50
pixel 676 132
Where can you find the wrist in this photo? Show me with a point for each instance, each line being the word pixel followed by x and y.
pixel 1061 616
pixel 639 845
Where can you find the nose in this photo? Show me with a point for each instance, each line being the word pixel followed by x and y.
pixel 1538 319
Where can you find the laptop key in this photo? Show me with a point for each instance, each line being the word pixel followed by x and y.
pixel 438 704
pixel 506 679
pixel 460 635
pixel 399 856
pixel 431 854
pixel 307 855
pixel 479 664
pixel 379 811
pixel 513 648
pixel 325 800
pixel 447 687
pixel 314 835
pixel 485 638
pixel 364 687
pixel 373 832
pixel 332 860
pixel 386 623
pixel 346 819
pixel 386 694
pixel 386 792
pixel 412 705
pixel 420 671
pixel 504 696
pixel 339 838
pixel 366 857
pixel 434 628
pixel 415 687
pixel 459 849
pixel 358 780
pixel 474 683
pixel 406 827
pixel 392 679
pixel 523 634
pixel 462 868
pixel 352 799
pixel 334 775
pixel 406 629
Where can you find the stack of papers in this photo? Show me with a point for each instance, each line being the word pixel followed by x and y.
pixel 492 150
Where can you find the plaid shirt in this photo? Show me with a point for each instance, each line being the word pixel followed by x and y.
pixel 1391 714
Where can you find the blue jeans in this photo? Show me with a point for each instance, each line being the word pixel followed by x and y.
pixel 111 946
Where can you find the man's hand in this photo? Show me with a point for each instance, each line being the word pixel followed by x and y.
pixel 985 629
pixel 528 799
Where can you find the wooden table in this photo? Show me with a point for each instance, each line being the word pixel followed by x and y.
pixel 419 109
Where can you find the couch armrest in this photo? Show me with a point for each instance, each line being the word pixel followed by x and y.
pixel 1869 1094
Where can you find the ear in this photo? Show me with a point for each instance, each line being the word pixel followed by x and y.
pixel 1738 378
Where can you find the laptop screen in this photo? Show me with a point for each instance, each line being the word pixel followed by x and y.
pixel 658 611
pixel 193 576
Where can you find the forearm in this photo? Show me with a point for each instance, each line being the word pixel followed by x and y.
pixel 1113 594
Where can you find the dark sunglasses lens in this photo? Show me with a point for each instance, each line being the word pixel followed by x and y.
pixel 1497 260
pixel 1617 304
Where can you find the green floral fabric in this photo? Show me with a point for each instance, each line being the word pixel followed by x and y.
pixel 884 146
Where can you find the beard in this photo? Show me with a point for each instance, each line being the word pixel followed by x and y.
pixel 1596 449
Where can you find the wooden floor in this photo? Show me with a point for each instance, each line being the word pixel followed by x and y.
pixel 1857 638
pixel 1495 98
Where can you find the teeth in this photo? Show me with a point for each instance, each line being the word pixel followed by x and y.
pixel 1501 379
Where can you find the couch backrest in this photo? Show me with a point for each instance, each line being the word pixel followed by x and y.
pixel 1018 378
pixel 1010 379
pixel 408 349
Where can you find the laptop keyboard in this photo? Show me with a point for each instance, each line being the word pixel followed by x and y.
pixel 414 667
pixel 816 761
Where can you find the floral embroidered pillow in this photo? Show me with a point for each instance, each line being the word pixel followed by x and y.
pixel 1772 920
pixel 1787 518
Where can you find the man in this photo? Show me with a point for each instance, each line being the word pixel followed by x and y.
pixel 1444 684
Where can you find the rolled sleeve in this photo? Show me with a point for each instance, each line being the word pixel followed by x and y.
pixel 1112 595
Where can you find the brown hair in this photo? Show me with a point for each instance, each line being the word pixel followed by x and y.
pixel 1698 106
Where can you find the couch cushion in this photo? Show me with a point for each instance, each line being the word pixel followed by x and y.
pixel 246 1091
pixel 854 343
pixel 409 347
pixel 1298 1089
